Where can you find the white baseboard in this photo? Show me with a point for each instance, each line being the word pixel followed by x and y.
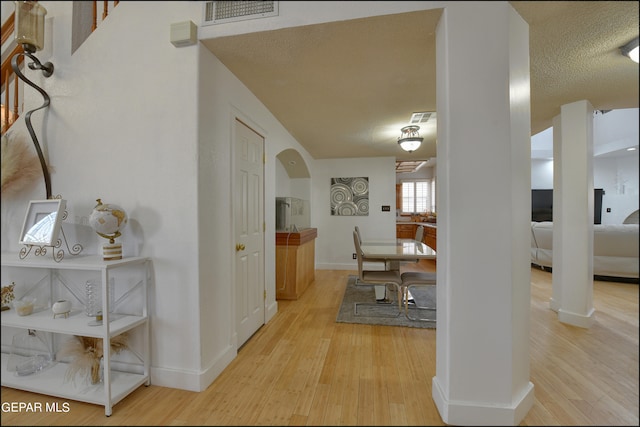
pixel 272 310
pixel 576 319
pixel 473 413
pixel 350 266
pixel 191 380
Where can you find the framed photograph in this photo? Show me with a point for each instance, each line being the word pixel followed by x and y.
pixel 42 222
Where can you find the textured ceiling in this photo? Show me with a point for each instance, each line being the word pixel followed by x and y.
pixel 344 89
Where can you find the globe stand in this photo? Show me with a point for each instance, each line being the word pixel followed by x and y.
pixel 111 251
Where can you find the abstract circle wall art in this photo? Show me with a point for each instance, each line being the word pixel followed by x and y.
pixel 350 196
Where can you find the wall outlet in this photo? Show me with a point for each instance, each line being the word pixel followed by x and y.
pixel 354 256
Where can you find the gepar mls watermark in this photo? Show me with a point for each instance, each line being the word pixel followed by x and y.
pixel 28 407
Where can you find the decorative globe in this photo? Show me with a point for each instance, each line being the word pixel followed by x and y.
pixel 107 220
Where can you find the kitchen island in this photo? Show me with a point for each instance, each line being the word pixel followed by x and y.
pixel 295 262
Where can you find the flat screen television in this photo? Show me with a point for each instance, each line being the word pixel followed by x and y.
pixel 542 205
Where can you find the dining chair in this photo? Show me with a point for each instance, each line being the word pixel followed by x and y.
pixel 385 263
pixel 376 278
pixel 417 237
pixel 413 279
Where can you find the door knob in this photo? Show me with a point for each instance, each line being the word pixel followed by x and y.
pixel 239 247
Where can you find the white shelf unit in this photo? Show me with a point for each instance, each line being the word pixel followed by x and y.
pixel 116 384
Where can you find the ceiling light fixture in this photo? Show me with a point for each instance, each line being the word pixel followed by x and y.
pixel 631 50
pixel 410 140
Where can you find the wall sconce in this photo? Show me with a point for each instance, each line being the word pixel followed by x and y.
pixel 29 32
pixel 631 50
pixel 410 140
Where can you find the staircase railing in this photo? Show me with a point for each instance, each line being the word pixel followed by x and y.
pixel 12 87
pixel 105 12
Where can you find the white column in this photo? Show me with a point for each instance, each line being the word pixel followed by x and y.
pixel 573 214
pixel 484 214
pixel 556 295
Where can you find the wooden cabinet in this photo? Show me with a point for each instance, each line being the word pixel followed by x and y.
pixel 430 236
pixel 406 231
pixel 398 196
pixel 123 286
pixel 295 263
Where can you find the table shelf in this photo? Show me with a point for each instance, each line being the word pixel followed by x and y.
pixel 51 381
pixel 134 273
pixel 76 324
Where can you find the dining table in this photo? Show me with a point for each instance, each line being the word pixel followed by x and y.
pixel 395 251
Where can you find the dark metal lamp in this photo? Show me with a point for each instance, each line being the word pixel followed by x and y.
pixel 29 32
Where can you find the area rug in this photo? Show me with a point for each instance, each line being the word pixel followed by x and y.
pixel 369 312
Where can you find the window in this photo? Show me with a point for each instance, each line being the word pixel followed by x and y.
pixel 419 196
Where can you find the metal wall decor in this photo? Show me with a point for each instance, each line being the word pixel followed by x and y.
pixel 350 196
pixel 29 32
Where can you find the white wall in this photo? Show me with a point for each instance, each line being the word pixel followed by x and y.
pixel 283 187
pixel 334 244
pixel 614 169
pixel 164 156
pixel 541 174
pixel 618 176
pixel 111 134
pixel 222 97
pixel 615 130
pixel 291 187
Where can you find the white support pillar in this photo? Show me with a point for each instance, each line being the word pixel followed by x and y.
pixel 484 215
pixel 573 214
pixel 556 295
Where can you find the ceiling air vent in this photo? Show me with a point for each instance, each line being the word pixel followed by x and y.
pixel 420 117
pixel 219 12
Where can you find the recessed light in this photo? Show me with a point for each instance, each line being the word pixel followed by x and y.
pixel 631 149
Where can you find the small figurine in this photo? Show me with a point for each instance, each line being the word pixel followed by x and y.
pixel 7 295
pixel 61 308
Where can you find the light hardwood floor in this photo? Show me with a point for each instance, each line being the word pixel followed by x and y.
pixel 303 368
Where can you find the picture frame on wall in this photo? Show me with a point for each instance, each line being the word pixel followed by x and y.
pixel 42 222
pixel 349 196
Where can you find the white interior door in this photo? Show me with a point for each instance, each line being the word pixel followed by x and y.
pixel 248 207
